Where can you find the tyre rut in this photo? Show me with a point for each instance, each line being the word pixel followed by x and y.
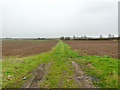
pixel 81 79
pixel 36 77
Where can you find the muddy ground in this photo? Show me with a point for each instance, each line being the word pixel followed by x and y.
pixel 99 48
pixel 37 77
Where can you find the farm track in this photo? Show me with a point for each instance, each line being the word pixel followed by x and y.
pixel 36 77
pixel 63 76
pixel 60 68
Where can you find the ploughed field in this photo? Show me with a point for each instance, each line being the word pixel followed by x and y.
pixel 96 48
pixel 60 67
pixel 26 47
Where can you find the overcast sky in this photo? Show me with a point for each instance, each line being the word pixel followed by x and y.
pixel 55 18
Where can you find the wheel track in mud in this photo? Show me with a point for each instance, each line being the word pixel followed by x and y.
pixel 82 80
pixel 37 76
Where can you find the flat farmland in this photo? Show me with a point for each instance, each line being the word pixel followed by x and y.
pixel 97 48
pixel 60 67
pixel 26 47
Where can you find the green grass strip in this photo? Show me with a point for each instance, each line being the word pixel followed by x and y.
pixel 60 74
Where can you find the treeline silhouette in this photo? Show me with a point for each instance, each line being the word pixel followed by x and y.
pixel 110 37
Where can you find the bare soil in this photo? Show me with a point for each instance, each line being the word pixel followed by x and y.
pixel 25 47
pixel 97 48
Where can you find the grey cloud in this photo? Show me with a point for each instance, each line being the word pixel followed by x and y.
pixel 54 18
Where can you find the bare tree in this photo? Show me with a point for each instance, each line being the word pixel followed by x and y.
pixel 109 36
pixel 67 38
pixel 119 35
pixel 74 37
pixel 62 38
pixel 101 36
pixel 113 36
pixel 85 37
pixel 82 37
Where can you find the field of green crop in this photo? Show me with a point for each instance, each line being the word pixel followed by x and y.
pixel 60 74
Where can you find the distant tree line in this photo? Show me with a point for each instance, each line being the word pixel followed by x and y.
pixel 41 38
pixel 110 37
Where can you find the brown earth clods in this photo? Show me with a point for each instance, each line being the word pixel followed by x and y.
pixel 97 48
pixel 25 47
